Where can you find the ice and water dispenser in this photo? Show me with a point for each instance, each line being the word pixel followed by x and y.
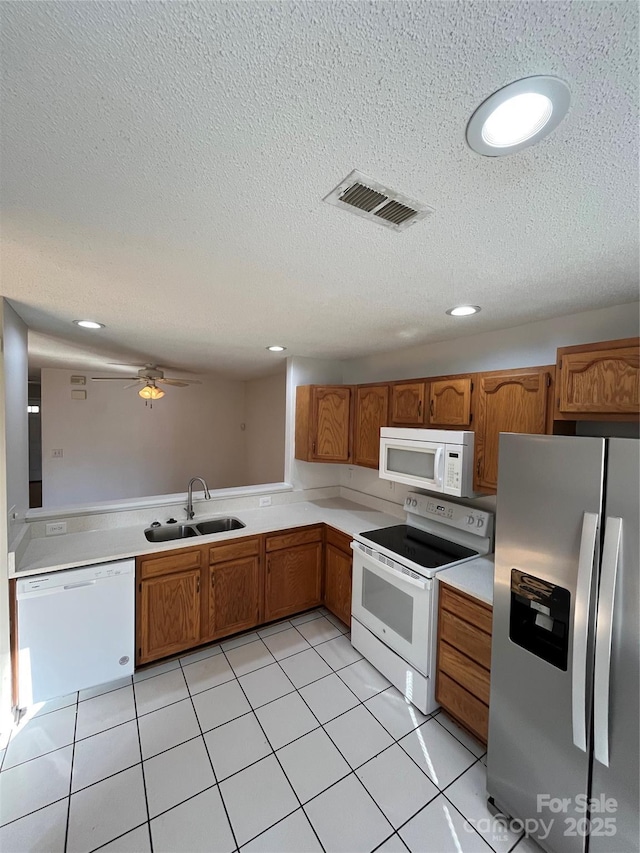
pixel 539 618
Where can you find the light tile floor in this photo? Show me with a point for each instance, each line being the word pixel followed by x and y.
pixel 280 740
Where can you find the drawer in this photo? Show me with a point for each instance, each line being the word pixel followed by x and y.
pixel 466 638
pixel 469 711
pixel 234 550
pixel 173 561
pixel 465 671
pixel 295 537
pixel 339 540
pixel 466 608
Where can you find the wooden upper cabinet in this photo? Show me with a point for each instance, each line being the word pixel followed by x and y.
pixel 323 423
pixel 169 615
pixel 408 404
pixel 450 402
pixel 599 379
pixel 371 413
pixel 234 596
pixel 507 401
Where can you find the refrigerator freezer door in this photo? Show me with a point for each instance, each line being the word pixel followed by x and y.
pixel 620 740
pixel 548 490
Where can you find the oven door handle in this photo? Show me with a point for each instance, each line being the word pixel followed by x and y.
pixel 420 584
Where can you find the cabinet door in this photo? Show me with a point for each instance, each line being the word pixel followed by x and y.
pixel 234 596
pixel 450 402
pixel 600 381
pixel 372 412
pixel 337 583
pixel 407 404
pixel 331 423
pixel 169 615
pixel 294 580
pixel 507 402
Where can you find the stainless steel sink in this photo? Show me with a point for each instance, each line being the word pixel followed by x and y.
pixel 219 525
pixel 186 531
pixel 166 534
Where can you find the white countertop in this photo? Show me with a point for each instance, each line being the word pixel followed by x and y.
pixel 70 550
pixel 475 578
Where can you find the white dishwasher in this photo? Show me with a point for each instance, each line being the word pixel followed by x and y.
pixel 75 629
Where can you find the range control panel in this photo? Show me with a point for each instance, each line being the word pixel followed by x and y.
pixel 472 520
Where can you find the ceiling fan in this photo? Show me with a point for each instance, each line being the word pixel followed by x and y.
pixel 148 376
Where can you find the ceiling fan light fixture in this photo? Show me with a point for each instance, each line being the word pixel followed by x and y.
pixel 89 324
pixel 150 392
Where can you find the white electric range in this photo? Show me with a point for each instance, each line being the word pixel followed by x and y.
pixel 394 602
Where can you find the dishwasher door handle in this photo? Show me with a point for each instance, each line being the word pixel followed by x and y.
pixel 78 585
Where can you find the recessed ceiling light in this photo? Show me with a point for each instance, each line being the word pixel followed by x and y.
pixel 89 324
pixel 276 348
pixel 463 310
pixel 519 115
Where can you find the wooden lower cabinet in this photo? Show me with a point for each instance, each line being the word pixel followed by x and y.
pixel 195 595
pixel 464 659
pixel 168 615
pixel 294 580
pixel 233 597
pixel 294 573
pixel 337 575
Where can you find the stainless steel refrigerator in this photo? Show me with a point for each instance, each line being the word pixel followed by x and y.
pixel 564 708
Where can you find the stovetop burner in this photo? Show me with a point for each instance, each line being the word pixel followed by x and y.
pixel 419 547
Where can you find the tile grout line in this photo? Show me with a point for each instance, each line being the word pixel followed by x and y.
pixel 339 752
pixel 144 779
pixel 213 769
pixel 295 793
pixel 73 755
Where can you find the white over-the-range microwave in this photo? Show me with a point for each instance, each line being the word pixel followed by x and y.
pixel 435 459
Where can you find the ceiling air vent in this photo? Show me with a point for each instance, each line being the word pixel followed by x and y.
pixel 365 197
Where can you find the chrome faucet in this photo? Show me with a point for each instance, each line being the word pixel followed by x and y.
pixel 189 506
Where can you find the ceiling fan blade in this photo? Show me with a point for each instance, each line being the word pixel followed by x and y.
pixel 111 378
pixel 180 382
pixel 133 384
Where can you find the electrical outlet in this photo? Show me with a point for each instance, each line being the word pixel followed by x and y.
pixel 55 528
pixel 265 501
pixel 56 453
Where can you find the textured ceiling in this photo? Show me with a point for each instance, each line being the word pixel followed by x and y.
pixel 163 166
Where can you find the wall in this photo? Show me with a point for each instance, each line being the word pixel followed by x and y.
pixel 264 417
pixel 14 335
pixel 116 447
pixel 14 471
pixel 523 346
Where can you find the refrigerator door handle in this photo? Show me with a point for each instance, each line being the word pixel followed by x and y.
pixel 580 629
pixel 604 631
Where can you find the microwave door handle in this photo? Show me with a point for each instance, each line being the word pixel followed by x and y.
pixel 604 632
pixel 438 466
pixel 581 628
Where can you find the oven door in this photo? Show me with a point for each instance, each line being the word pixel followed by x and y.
pixel 414 463
pixel 394 606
